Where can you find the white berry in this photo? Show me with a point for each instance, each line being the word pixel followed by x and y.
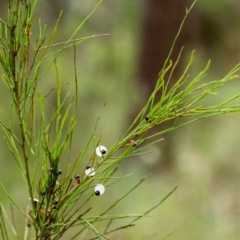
pixel 101 151
pixel 99 189
pixel 90 171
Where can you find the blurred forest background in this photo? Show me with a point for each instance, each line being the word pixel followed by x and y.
pixel 121 70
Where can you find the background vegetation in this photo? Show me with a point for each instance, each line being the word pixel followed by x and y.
pixel 204 155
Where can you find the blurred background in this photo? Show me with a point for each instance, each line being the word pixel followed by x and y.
pixel 202 159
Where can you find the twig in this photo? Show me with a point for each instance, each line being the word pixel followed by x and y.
pixel 74 40
pixel 27 224
pixel 151 209
pixel 12 216
pixel 114 204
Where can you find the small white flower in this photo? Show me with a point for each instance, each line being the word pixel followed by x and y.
pixel 35 200
pixel 101 151
pixel 99 189
pixel 90 171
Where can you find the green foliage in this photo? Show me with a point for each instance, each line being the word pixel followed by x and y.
pixel 42 143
